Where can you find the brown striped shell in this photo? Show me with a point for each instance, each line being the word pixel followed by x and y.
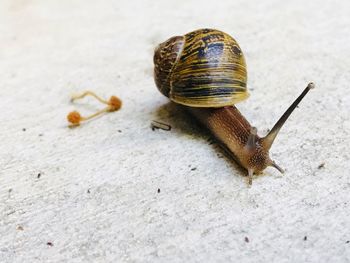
pixel 204 68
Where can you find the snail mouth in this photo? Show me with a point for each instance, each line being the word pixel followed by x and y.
pixel 252 171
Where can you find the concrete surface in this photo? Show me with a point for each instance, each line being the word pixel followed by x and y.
pixel 97 200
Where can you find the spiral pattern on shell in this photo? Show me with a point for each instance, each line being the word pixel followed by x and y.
pixel 204 68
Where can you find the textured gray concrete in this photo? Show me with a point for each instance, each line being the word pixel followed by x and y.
pixel 97 200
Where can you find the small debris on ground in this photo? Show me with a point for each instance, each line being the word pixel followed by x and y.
pixel 24 129
pixel 49 244
pixel 246 239
pixel 88 191
pixel 321 165
pixel 347 242
pixel 194 168
pixel 158 190
pixel 305 238
pixel 74 117
pixel 12 212
pixel 20 228
pixel 119 131
pixel 39 175
pixel 160 125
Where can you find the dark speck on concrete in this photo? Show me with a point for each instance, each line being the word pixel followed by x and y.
pixel 321 165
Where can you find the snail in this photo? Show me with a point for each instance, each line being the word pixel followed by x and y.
pixel 205 72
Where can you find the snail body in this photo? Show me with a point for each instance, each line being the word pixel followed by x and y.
pixel 205 71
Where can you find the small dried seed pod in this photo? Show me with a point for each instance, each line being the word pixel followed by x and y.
pixel 74 117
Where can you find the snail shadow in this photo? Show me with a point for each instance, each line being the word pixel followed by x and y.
pixel 183 123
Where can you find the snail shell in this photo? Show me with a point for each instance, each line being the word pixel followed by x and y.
pixel 204 68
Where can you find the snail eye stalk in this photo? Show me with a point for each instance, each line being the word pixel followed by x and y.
pixel 270 137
